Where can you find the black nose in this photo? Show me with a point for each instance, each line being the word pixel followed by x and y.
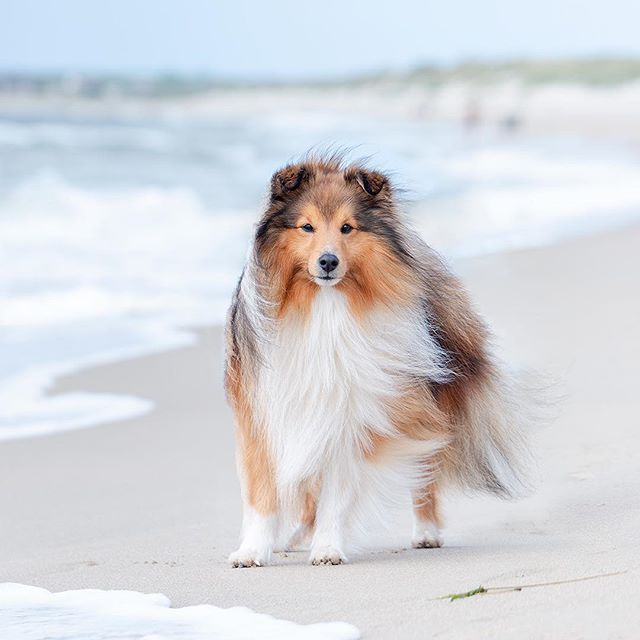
pixel 328 262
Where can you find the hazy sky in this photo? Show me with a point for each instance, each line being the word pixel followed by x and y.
pixel 291 38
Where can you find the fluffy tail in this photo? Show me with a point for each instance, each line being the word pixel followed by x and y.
pixel 489 451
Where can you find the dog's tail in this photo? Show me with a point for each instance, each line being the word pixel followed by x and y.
pixel 489 451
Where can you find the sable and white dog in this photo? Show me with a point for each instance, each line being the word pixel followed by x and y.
pixel 355 362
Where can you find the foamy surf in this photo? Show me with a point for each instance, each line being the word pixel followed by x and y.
pixel 522 195
pixel 32 613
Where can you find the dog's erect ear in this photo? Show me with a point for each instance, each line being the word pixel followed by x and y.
pixel 288 180
pixel 370 182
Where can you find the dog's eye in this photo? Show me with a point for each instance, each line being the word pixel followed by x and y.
pixel 307 227
pixel 346 228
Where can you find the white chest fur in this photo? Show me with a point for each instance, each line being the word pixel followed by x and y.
pixel 327 381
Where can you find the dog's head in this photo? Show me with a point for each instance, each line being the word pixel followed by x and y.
pixel 329 225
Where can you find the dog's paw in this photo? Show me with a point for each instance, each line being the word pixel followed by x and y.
pixel 244 557
pixel 427 537
pixel 327 555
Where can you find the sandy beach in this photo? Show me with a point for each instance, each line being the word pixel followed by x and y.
pixel 152 504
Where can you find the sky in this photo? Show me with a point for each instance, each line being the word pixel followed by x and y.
pixel 291 39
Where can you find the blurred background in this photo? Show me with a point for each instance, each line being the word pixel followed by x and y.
pixel 137 139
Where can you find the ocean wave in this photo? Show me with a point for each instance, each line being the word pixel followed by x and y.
pixel 92 275
pixel 72 253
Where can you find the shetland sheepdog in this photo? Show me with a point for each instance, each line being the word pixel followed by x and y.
pixel 356 363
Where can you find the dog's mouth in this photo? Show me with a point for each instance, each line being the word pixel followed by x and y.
pixel 326 280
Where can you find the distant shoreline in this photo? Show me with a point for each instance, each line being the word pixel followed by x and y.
pixel 591 71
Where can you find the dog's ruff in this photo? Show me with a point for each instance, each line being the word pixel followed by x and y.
pixel 325 390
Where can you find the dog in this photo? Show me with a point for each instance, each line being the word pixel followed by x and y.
pixel 356 362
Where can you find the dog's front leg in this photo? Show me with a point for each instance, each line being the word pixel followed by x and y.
pixel 260 502
pixel 335 500
pixel 259 532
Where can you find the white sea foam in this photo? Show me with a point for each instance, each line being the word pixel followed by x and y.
pixel 32 613
pixel 28 409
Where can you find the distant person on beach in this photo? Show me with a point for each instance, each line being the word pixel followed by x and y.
pixel 471 117
pixel 510 123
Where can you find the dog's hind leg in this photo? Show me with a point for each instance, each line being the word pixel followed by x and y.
pixel 426 518
pixel 306 526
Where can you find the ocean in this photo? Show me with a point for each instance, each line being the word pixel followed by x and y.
pixel 121 227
